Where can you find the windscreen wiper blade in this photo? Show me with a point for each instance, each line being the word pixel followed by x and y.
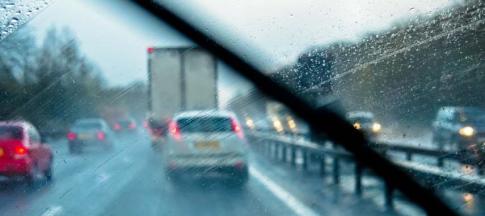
pixel 336 128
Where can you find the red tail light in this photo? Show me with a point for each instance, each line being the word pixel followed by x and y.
pixel 117 126
pixel 174 130
pixel 150 50
pixel 132 125
pixel 71 136
pixel 20 150
pixel 101 135
pixel 236 128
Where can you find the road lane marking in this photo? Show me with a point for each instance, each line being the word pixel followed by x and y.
pixel 103 177
pixel 53 211
pixel 127 160
pixel 294 204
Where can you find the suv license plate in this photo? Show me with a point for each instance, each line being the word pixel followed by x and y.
pixel 207 145
pixel 85 136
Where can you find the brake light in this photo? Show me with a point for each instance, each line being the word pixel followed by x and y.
pixel 20 150
pixel 236 128
pixel 132 125
pixel 174 130
pixel 101 135
pixel 150 50
pixel 117 126
pixel 71 136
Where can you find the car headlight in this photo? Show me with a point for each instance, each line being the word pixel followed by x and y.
pixel 250 123
pixel 376 127
pixel 357 125
pixel 467 131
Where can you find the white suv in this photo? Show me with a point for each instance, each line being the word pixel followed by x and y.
pixel 206 143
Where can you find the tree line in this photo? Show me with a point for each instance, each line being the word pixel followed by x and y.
pixel 52 83
pixel 406 72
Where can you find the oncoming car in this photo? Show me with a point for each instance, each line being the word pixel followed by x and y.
pixel 23 154
pixel 206 144
pixel 365 121
pixel 89 132
pixel 461 129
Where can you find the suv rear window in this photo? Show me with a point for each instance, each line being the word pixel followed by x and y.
pixel 125 123
pixel 205 124
pixel 87 125
pixel 10 132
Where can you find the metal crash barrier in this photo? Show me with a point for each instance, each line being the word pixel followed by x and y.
pixel 289 149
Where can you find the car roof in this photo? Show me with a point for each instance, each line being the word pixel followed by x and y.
pixel 126 119
pixel 204 113
pixel 361 114
pixel 90 120
pixel 14 123
pixel 460 108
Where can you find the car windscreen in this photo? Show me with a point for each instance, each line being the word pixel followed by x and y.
pixel 10 132
pixel 361 119
pixel 204 124
pixel 472 115
pixel 107 61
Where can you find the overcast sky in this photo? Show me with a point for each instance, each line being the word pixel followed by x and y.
pixel 115 35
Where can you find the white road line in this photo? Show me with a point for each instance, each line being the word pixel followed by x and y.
pixel 126 160
pixel 53 211
pixel 103 177
pixel 294 204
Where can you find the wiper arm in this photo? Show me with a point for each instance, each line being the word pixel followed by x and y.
pixel 336 128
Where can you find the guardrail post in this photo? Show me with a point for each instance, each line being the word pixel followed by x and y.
pixel 409 156
pixel 322 165
pixel 304 156
pixel 336 170
pixel 440 162
pixel 480 169
pixel 388 196
pixel 358 179
pixel 275 151
pixel 268 149
pixel 283 150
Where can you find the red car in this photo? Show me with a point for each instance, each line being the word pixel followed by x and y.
pixel 22 153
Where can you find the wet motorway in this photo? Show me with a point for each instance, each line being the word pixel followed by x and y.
pixel 130 181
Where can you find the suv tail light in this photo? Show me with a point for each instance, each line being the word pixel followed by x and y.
pixel 101 135
pixel 174 130
pixel 71 136
pixel 236 128
pixel 117 126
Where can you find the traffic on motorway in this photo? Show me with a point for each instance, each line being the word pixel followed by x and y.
pixel 242 107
